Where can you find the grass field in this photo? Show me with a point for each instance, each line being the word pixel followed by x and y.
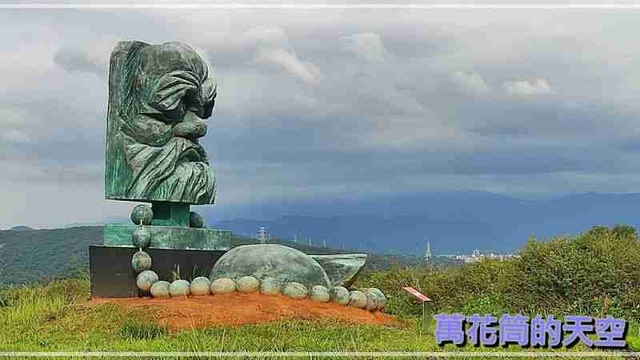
pixel 56 317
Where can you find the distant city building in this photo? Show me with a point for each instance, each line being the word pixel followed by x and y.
pixel 262 235
pixel 477 255
pixel 427 255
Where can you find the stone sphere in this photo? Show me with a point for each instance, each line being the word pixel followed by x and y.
pixel 179 288
pixel 295 290
pixel 200 286
pixel 196 220
pixel 340 295
pixel 160 289
pixel 145 279
pixel 357 299
pixel 141 261
pixel 270 286
pixel 141 237
pixel 320 293
pixel 372 301
pixel 380 297
pixel 223 286
pixel 248 284
pixel 142 215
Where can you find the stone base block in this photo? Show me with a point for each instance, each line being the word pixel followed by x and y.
pixel 170 237
pixel 112 275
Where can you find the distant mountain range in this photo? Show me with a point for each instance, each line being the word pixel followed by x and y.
pixel 457 222
pixel 21 228
pixel 451 222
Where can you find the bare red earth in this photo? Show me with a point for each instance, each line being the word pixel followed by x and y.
pixel 242 309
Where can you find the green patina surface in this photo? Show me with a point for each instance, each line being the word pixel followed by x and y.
pixel 263 261
pixel 159 97
pixel 170 214
pixel 342 269
pixel 170 237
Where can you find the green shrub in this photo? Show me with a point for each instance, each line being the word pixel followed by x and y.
pixel 486 304
pixel 575 274
pixel 595 273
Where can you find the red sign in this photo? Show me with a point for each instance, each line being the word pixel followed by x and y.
pixel 420 296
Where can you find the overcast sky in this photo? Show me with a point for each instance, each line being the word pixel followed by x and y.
pixel 334 103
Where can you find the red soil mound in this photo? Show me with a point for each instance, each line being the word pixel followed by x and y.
pixel 241 309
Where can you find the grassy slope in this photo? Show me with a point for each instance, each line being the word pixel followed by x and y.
pixel 55 318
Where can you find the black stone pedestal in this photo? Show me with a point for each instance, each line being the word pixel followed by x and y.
pixel 112 275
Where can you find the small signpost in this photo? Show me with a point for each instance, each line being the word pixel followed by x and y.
pixel 420 296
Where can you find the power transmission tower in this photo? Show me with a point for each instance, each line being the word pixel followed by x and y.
pixel 262 235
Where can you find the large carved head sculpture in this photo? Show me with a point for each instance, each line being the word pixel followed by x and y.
pixel 159 97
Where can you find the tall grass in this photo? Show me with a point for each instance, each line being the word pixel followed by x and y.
pixel 27 306
pixel 57 317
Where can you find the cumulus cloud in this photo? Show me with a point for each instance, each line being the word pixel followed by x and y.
pixel 367 45
pixel 271 47
pixel 528 88
pixel 291 64
pixel 470 82
pixel 304 95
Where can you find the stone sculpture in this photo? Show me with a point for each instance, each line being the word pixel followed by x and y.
pixel 285 264
pixel 159 96
pixel 159 99
pixel 270 261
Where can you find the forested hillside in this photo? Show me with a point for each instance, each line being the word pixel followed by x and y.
pixel 32 255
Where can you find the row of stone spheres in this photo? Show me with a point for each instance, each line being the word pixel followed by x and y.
pixel 371 299
pixel 147 280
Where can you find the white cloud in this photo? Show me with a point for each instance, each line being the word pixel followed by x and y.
pixel 470 82
pixel 270 46
pixel 268 36
pixel 367 45
pixel 290 63
pixel 390 86
pixel 528 88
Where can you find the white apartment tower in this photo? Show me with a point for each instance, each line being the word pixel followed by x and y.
pixel 427 254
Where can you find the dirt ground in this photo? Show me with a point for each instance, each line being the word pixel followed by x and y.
pixel 241 309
